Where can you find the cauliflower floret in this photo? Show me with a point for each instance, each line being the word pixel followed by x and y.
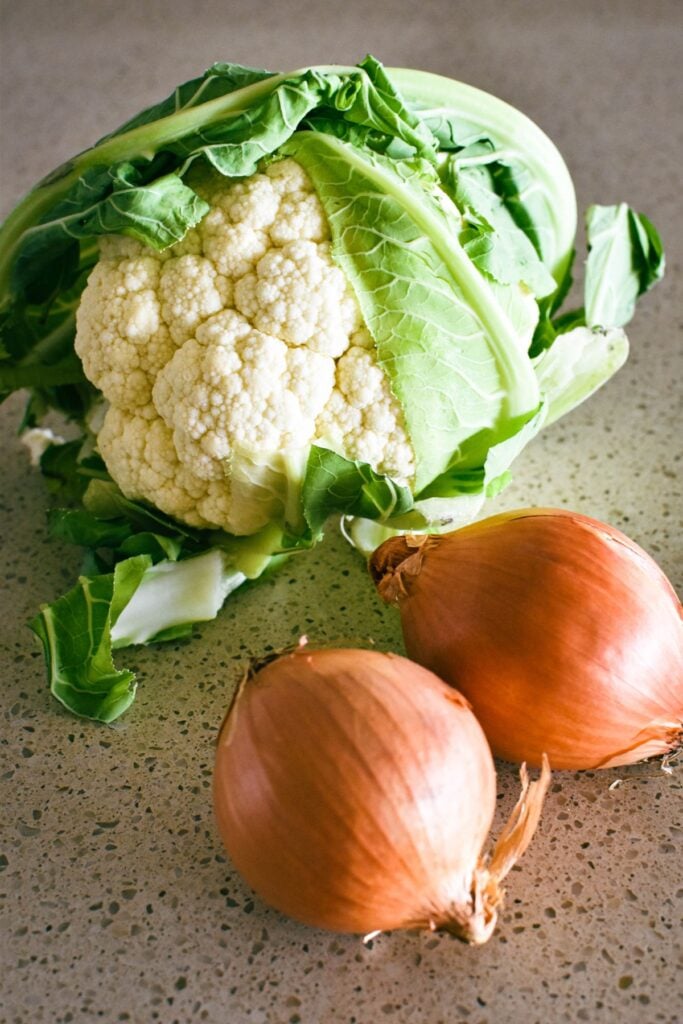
pixel 233 248
pixel 235 231
pixel 363 339
pixel 363 419
pixel 190 291
pixel 189 245
pixel 253 202
pixel 121 337
pixel 233 386
pixel 301 215
pixel 289 176
pixel 299 294
pixel 121 247
pixel 139 453
pixel 227 355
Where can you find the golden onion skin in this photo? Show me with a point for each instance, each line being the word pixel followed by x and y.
pixel 564 635
pixel 354 791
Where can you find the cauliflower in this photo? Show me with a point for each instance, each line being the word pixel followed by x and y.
pixel 226 356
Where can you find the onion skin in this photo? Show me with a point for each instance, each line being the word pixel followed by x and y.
pixel 354 791
pixel 564 635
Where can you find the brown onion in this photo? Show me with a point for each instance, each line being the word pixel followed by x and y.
pixel 564 635
pixel 354 791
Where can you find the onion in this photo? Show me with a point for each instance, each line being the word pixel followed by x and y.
pixel 354 791
pixel 564 635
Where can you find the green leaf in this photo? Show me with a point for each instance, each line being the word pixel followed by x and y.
pixel 625 259
pixel 526 204
pixel 378 104
pixel 456 497
pixel 137 603
pixel 76 635
pixel 443 336
pixel 362 96
pixel 578 362
pixel 172 595
pixel 548 328
pixel 221 79
pixel 156 545
pixel 129 576
pixel 528 171
pixel 335 484
pixel 44 332
pixel 78 526
pixel 68 371
pixel 105 500
pixel 109 520
pixel 105 200
pixel 486 478
pixel 59 464
pixel 95 563
pixel 261 552
pixel 359 135
pixel 37 336
pixel 493 240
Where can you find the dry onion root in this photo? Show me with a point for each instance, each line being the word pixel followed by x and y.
pixel 354 791
pixel 563 634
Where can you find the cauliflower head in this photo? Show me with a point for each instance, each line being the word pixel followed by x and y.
pixel 226 356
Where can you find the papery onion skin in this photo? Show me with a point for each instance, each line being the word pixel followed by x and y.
pixel 354 791
pixel 564 635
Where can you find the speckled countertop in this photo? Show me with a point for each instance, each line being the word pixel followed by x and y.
pixel 117 901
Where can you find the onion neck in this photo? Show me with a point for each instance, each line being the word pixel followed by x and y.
pixel 396 564
pixel 474 921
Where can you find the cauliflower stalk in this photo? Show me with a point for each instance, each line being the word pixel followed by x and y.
pixel 273 297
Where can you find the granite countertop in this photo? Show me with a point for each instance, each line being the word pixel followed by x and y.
pixel 118 902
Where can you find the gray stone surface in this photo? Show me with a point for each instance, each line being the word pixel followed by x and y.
pixel 118 902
